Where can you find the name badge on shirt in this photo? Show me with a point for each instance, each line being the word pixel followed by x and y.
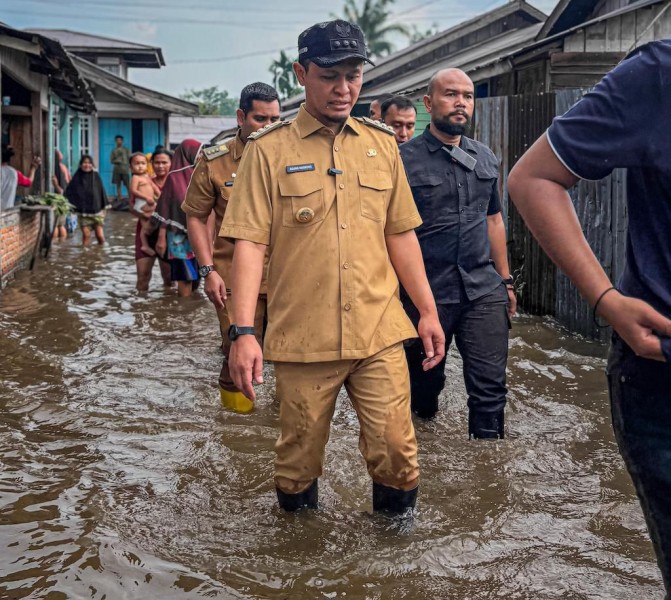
pixel 228 183
pixel 300 168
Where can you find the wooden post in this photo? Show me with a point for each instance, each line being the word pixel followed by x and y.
pixel 36 141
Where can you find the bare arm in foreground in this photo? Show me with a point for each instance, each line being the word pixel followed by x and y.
pixel 537 185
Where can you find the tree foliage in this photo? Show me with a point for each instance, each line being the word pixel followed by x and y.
pixel 373 17
pixel 417 35
pixel 284 78
pixel 212 101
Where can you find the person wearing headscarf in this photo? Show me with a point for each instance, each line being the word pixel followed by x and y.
pixel 87 194
pixel 173 242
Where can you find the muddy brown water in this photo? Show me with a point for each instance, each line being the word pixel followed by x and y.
pixel 121 477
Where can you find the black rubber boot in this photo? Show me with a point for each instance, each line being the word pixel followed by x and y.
pixel 305 499
pixel 391 500
pixel 424 406
pixel 482 425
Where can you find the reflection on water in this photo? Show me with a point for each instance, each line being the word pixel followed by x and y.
pixel 122 478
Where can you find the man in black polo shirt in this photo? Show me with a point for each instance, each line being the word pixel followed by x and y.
pixel 624 122
pixel 454 181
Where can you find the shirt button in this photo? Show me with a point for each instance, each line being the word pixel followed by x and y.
pixel 345 265
pixel 459 185
pixel 343 225
pixel 336 148
pixel 342 186
pixel 348 306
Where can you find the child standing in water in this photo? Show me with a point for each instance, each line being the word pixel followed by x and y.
pixel 143 195
pixel 87 194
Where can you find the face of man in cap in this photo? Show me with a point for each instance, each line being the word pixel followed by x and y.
pixel 331 93
pixel 331 56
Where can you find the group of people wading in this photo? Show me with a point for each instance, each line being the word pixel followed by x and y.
pixel 348 260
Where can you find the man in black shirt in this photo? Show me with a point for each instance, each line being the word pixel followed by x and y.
pixel 454 181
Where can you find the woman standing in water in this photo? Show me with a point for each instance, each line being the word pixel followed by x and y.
pixel 173 242
pixel 87 194
pixel 144 263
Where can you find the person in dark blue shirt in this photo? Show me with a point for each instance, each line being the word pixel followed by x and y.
pixel 454 181
pixel 624 122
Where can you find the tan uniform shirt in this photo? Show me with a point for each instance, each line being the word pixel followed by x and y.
pixel 332 291
pixel 210 189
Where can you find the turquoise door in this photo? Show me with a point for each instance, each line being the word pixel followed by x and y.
pixel 150 135
pixel 108 129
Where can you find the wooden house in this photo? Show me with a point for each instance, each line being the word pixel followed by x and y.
pixel 36 76
pixel 582 40
pixel 139 114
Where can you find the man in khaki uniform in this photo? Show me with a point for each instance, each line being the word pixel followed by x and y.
pixel 327 196
pixel 207 197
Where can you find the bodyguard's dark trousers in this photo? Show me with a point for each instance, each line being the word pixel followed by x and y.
pixel 640 396
pixel 480 330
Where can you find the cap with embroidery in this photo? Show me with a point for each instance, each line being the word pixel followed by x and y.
pixel 329 43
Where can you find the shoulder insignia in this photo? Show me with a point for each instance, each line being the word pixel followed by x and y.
pixel 267 129
pixel 216 151
pixel 377 124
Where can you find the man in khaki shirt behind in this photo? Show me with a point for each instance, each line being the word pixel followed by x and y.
pixel 207 196
pixel 327 196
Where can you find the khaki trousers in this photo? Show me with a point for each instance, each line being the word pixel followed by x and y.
pixel 379 389
pixel 225 379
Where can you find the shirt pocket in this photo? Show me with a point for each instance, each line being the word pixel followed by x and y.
pixel 302 199
pixel 374 192
pixel 485 180
pixel 431 194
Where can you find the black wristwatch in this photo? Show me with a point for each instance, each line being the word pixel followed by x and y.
pixel 205 270
pixel 509 280
pixel 234 332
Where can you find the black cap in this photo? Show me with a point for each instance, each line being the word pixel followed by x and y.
pixel 329 43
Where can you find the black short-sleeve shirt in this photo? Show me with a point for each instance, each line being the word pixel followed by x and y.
pixel 454 204
pixel 625 122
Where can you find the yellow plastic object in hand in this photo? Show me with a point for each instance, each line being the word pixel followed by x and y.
pixel 236 401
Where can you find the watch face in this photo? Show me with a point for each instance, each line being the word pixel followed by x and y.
pixel 203 271
pixel 232 333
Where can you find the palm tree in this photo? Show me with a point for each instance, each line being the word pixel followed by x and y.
pixel 284 78
pixel 373 16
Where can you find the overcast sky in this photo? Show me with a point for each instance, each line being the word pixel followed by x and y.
pixel 220 42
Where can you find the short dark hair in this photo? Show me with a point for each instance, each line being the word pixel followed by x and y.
pixel 7 152
pixel 305 63
pixel 401 102
pixel 161 150
pixel 257 91
pixel 118 136
pixel 382 98
pixel 135 155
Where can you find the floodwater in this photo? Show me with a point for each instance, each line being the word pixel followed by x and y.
pixel 121 477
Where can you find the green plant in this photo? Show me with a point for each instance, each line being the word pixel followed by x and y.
pixel 60 203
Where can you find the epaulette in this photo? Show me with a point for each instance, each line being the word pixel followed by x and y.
pixel 216 151
pixel 377 124
pixel 267 129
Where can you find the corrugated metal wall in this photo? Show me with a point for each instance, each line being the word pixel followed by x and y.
pixel 528 117
pixel 602 211
pixel 491 128
pixel 509 125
